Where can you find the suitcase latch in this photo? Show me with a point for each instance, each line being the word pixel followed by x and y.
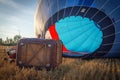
pixel 49 45
pixel 21 44
pixel 20 62
pixel 47 65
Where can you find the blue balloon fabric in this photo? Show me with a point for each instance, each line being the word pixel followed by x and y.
pixel 79 34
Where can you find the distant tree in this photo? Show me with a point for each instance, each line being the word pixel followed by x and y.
pixel 17 38
pixel 0 40
pixel 7 40
pixel 10 41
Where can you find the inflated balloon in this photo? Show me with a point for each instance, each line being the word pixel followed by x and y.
pixel 87 28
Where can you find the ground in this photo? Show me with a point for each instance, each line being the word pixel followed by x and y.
pixel 70 69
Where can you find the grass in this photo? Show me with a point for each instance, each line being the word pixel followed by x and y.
pixel 70 69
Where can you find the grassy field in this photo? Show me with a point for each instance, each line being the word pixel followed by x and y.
pixel 4 48
pixel 70 69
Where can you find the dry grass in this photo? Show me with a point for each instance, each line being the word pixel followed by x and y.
pixel 70 69
pixel 4 49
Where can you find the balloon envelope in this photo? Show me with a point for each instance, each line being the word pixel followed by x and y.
pixel 71 21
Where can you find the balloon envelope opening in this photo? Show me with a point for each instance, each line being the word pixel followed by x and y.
pixel 79 35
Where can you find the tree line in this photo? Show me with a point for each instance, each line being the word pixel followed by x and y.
pixel 10 41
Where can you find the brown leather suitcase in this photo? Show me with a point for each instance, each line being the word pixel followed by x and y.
pixel 39 53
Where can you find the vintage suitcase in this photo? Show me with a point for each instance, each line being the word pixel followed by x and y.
pixel 39 53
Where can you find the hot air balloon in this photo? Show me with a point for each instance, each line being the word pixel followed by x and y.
pixel 87 28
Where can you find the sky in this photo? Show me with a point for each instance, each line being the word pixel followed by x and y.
pixel 17 17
